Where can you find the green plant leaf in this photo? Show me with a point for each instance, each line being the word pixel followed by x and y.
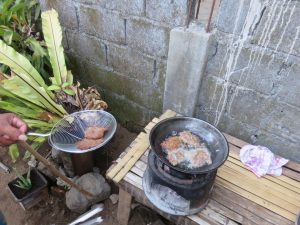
pixel 20 185
pixel 37 12
pixel 6 6
pixel 21 110
pixel 20 65
pixel 69 77
pixel 36 47
pixel 34 94
pixel 54 88
pixel 28 175
pixel 24 182
pixel 38 123
pixel 14 152
pixel 8 36
pixel 27 155
pixel 4 94
pixel 69 91
pixel 53 37
pixel 66 84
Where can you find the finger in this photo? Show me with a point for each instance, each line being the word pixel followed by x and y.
pixel 22 137
pixel 11 132
pixel 20 124
pixel 4 141
pixel 6 136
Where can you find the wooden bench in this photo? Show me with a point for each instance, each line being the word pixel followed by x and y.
pixel 238 196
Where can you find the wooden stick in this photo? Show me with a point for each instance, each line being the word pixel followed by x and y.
pixel 198 8
pixel 52 168
pixel 189 13
pixel 210 16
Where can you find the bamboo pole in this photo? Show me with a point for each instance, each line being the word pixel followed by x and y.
pixel 52 168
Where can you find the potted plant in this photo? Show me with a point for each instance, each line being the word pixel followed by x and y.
pixel 28 189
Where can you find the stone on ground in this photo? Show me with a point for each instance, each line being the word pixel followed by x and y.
pixel 91 182
pixel 114 198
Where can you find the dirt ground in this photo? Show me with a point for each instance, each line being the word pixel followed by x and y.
pixel 53 210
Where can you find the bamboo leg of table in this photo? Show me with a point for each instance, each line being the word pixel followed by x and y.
pixel 124 207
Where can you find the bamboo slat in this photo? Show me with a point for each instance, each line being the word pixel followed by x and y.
pixel 246 208
pixel 294 184
pixel 290 185
pixel 138 153
pixel 259 189
pixel 139 145
pixel 269 184
pixel 256 199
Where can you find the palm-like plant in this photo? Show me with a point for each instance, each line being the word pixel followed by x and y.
pixel 20 22
pixel 26 93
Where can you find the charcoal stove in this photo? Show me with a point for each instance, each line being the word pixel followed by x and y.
pixel 181 190
pixel 176 192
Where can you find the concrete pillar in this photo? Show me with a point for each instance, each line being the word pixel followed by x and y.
pixel 186 64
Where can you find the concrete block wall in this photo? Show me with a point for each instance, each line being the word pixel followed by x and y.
pixel 121 47
pixel 251 85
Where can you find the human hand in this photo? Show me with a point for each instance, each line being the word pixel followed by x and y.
pixel 12 128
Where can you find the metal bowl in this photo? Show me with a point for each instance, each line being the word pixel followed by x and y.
pixel 65 134
pixel 213 138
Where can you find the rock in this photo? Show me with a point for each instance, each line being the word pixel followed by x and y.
pixel 62 183
pixel 42 168
pixel 55 155
pixel 32 162
pixel 96 170
pixel 91 182
pixel 67 163
pixel 114 198
pixel 65 159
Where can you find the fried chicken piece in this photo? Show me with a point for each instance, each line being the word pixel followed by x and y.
pixel 94 132
pixel 175 157
pixel 85 143
pixel 171 143
pixel 201 158
pixel 189 138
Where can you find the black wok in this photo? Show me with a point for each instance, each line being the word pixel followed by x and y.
pixel 214 139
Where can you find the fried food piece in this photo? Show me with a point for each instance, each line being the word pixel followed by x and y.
pixel 189 138
pixel 88 143
pixel 201 158
pixel 171 143
pixel 175 156
pixel 94 132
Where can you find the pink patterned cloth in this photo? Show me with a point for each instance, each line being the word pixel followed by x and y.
pixel 261 161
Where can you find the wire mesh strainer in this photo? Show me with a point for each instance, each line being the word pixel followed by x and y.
pixel 70 129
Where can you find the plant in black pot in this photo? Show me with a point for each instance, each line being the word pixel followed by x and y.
pixel 28 189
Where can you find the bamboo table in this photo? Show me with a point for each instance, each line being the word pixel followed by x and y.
pixel 238 196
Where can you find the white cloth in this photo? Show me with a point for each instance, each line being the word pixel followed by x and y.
pixel 261 161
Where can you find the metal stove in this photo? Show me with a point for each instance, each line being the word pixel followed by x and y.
pixel 175 192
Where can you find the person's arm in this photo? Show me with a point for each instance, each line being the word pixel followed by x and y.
pixel 12 128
